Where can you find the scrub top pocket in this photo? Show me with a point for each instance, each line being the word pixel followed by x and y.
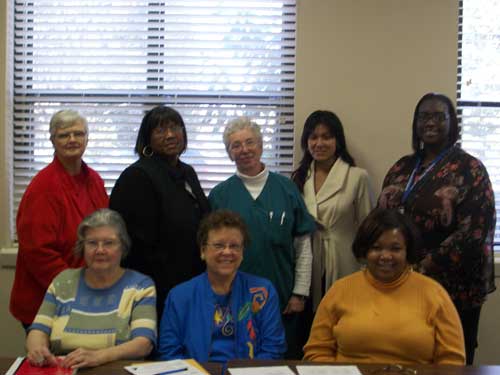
pixel 280 230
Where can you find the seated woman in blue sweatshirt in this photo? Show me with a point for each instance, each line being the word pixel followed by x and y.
pixel 222 314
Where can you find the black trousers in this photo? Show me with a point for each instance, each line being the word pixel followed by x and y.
pixel 292 324
pixel 470 325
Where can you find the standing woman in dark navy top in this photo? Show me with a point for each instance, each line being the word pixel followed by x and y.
pixel 162 203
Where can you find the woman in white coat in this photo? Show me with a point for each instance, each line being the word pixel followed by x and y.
pixel 336 193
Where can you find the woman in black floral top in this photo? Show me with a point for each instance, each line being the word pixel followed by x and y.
pixel 448 194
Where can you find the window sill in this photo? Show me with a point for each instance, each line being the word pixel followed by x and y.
pixel 8 257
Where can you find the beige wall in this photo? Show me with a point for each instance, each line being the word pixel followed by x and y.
pixel 11 332
pixel 368 61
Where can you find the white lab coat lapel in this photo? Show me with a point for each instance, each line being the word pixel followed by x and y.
pixel 334 182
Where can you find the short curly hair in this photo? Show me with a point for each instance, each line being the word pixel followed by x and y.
pixel 379 221
pixel 237 124
pixel 222 219
pixel 103 218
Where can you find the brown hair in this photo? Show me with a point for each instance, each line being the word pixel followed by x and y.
pixel 222 219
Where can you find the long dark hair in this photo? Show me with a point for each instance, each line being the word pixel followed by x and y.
pixel 332 122
pixel 452 134
pixel 155 117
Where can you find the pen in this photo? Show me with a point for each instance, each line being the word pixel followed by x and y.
pixel 172 371
pixel 282 218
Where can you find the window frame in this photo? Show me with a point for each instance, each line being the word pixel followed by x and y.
pixel 282 140
pixel 464 104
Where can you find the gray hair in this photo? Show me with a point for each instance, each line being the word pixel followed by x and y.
pixel 64 119
pixel 238 124
pixel 103 218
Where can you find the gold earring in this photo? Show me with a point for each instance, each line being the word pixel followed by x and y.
pixel 147 151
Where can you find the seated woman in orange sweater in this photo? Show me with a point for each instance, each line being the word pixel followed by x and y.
pixel 386 313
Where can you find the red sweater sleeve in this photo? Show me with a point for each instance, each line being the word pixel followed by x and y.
pixel 39 249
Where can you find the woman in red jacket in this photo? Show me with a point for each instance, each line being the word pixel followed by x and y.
pixel 55 202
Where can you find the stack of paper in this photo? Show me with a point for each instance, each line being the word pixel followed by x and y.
pixel 327 370
pixel 178 366
pixel 262 370
pixel 301 369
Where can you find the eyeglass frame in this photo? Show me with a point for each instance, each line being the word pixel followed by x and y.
pixel 65 137
pixel 250 143
pixel 219 247
pixel 425 117
pixel 107 244
pixel 162 128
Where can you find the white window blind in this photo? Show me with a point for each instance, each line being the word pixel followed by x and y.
pixel 478 88
pixel 113 60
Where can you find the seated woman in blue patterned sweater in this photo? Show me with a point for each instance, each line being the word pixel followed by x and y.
pixel 223 313
pixel 99 313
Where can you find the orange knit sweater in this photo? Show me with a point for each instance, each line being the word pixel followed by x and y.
pixel 362 320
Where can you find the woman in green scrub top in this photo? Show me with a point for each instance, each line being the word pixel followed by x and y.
pixel 278 221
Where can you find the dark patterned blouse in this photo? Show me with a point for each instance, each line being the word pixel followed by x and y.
pixel 454 208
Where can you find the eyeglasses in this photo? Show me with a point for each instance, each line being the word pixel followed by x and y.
pixel 106 244
pixel 162 128
pixel 436 116
pixel 238 146
pixel 220 247
pixel 67 135
pixel 394 369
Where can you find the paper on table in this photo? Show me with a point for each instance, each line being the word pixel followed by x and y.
pixel 264 370
pixel 177 366
pixel 327 370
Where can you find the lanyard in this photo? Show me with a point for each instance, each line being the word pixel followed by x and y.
pixel 411 182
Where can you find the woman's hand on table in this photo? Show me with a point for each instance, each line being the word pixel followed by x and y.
pixel 83 358
pixel 41 356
